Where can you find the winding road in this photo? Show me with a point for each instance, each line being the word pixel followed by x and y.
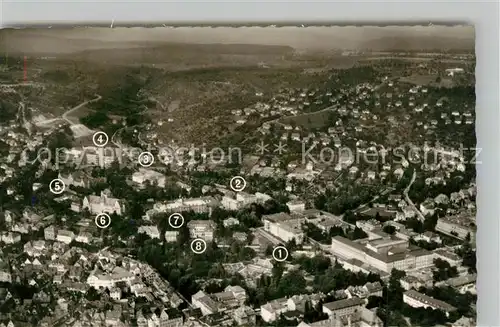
pixel 72 110
pixel 407 198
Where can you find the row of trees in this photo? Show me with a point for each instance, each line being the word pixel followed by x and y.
pixel 313 232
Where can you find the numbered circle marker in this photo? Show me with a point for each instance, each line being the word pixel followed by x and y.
pixel 100 139
pixel 57 186
pixel 176 220
pixel 198 246
pixel 102 220
pixel 280 253
pixel 146 159
pixel 238 183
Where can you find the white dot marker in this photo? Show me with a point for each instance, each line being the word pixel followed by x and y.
pixel 57 186
pixel 237 183
pixel 146 159
pixel 100 139
pixel 102 220
pixel 198 246
pixel 176 220
pixel 280 253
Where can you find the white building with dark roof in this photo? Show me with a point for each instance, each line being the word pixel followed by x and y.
pixel 296 206
pixel 109 280
pixel 65 236
pixel 284 227
pixel 171 236
pixel 342 308
pixel 273 309
pixel 419 300
pixel 50 233
pixel 151 231
pixel 147 175
pixel 458 226
pixel 205 303
pixel 76 179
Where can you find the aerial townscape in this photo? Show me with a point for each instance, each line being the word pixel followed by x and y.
pixel 238 176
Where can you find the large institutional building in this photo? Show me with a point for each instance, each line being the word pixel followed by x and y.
pixel 284 226
pixel 103 203
pixel 384 253
pixel 199 205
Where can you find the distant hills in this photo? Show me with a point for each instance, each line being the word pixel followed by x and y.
pixel 418 42
pixel 243 40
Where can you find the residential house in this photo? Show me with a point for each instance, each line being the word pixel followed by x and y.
pixel 271 311
pixel 10 237
pixel 78 179
pixel 232 296
pixel 205 303
pixel 84 237
pixel 231 221
pixel 409 282
pixel 65 236
pixel 296 206
pixel 115 293
pixel 171 236
pixel 427 207
pixel 5 275
pixel 109 279
pixel 244 315
pixel 171 318
pixel 50 233
pixel 342 308
pixel 151 231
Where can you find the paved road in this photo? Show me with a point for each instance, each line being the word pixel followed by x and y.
pixel 21 84
pixel 115 135
pixel 72 110
pixel 407 198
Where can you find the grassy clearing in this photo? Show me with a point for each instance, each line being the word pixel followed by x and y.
pixel 311 120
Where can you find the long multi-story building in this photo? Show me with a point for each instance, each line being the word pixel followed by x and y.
pixel 419 300
pixel 458 226
pixel 284 226
pixel 199 205
pixel 383 254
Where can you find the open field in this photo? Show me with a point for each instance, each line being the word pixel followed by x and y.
pixel 429 80
pixel 308 121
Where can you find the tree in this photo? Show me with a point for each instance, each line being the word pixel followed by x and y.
pixel 291 284
pixel 357 234
pixel 443 270
pixel 92 295
pixel 394 292
pixel 389 229
pixel 468 255
pixel 349 217
pixel 269 250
